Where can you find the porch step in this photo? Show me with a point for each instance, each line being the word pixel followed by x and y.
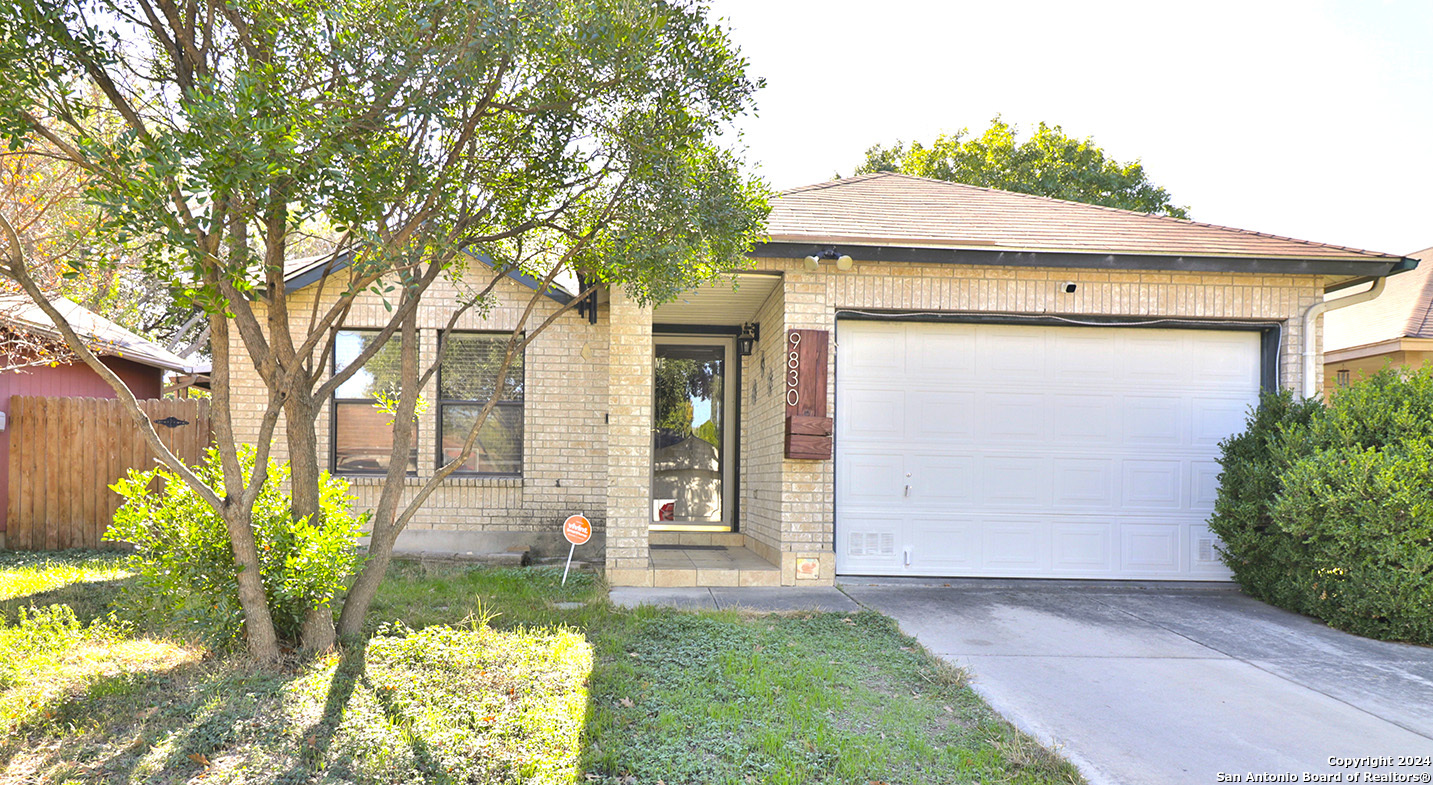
pixel 724 539
pixel 711 566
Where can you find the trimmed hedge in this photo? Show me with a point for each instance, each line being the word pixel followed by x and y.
pixel 1328 509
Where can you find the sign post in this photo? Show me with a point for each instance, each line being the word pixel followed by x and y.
pixel 577 530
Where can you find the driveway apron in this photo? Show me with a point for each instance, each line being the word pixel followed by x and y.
pixel 1175 683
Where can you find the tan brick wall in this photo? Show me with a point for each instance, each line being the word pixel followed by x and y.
pixel 811 300
pixel 588 394
pixel 629 463
pixel 763 423
pixel 565 433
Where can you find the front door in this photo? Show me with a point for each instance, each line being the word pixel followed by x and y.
pixel 692 428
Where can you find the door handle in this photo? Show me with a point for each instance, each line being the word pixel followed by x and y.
pixel 908 490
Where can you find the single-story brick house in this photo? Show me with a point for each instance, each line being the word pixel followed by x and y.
pixel 1393 329
pixel 914 377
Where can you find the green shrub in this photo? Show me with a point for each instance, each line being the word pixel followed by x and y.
pixel 1253 462
pixel 1328 510
pixel 1364 517
pixel 186 570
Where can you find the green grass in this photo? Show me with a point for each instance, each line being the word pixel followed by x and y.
pixel 476 676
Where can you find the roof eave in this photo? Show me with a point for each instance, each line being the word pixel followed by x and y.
pixel 909 254
pixel 312 274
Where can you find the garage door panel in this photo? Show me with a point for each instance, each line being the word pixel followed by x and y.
pixel 871 415
pixel 1151 356
pixel 1083 482
pixel 1216 418
pixel 946 543
pixel 1083 548
pixel 1150 548
pixel 1154 420
pixel 1203 552
pixel 1018 547
pixel 1082 358
pixel 872 478
pixel 1010 481
pixel 1085 419
pixel 940 479
pixel 1006 416
pixel 868 544
pixel 946 415
pixel 1204 485
pixel 942 353
pixel 1039 452
pixel 1224 359
pixel 1146 484
pixel 879 354
pixel 1011 354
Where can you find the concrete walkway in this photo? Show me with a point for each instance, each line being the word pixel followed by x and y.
pixel 1158 683
pixel 758 599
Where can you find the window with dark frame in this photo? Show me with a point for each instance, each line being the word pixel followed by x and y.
pixel 362 432
pixel 467 380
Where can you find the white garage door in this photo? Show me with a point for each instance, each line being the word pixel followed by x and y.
pixel 1021 451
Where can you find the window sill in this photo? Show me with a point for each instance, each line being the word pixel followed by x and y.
pixel 453 480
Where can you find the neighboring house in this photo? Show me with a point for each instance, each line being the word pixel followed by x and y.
pixel 944 380
pixel 1393 329
pixel 141 363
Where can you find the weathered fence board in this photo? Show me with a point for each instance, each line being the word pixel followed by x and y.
pixel 66 452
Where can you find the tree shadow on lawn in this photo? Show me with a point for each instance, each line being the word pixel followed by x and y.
pixel 90 600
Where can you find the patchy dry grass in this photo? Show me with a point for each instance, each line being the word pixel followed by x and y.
pixel 537 694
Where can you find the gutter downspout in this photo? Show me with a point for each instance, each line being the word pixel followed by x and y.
pixel 1311 319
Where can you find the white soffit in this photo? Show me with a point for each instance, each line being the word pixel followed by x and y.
pixel 730 300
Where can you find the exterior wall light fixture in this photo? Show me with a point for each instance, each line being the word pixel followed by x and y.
pixel 843 261
pixel 747 338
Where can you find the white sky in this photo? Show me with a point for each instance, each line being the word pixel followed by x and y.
pixel 1312 119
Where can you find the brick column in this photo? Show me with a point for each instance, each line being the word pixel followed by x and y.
pixel 629 442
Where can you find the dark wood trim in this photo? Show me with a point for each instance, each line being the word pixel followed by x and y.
pixel 695 329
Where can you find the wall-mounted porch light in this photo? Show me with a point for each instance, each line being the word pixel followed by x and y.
pixel 747 338
pixel 843 261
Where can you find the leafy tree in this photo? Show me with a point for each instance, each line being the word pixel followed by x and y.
pixel 548 136
pixel 1049 163
pixel 44 196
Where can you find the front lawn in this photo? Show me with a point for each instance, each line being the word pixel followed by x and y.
pixel 538 693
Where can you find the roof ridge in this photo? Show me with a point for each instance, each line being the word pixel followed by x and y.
pixel 1119 210
pixel 855 178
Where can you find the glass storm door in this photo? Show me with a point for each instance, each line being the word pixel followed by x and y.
pixel 691 434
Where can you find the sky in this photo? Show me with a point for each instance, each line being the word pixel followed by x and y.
pixel 1309 119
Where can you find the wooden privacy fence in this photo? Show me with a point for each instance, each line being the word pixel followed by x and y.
pixel 66 452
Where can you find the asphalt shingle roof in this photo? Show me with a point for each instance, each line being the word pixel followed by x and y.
pixel 896 209
pixel 1404 310
pixel 18 310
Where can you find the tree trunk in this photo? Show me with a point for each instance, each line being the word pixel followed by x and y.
pixel 258 623
pixel 365 587
pixel 317 634
pixel 300 414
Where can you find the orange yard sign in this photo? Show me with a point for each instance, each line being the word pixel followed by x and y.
pixel 577 529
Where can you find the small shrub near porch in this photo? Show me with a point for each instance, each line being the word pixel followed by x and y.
pixel 1328 509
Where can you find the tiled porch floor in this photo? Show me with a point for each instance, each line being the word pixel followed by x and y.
pixel 712 565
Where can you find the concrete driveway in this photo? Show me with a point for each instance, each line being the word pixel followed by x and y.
pixel 1155 683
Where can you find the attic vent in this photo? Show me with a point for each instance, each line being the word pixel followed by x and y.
pixel 869 544
pixel 1205 552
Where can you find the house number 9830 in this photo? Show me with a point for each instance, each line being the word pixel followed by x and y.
pixel 793 369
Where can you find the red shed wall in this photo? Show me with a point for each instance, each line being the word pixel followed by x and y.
pixel 67 381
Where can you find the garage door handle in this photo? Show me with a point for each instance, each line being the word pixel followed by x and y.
pixel 908 490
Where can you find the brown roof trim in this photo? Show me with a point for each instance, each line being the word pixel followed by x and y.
pixel 1376 267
